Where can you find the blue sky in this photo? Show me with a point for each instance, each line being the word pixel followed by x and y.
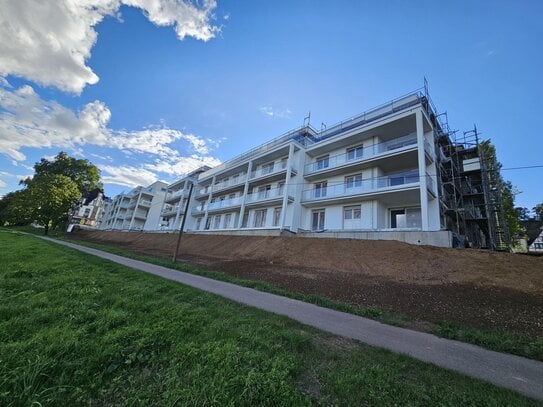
pixel 245 72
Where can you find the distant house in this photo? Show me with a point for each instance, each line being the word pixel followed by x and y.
pixel 537 244
pixel 89 210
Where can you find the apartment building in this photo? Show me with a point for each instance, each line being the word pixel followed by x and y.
pixel 372 176
pixel 140 209
pixel 390 173
pixel 89 210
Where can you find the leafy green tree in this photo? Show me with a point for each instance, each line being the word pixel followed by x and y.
pixel 538 210
pixel 14 209
pixel 85 174
pixel 50 199
pixel 523 213
pixel 505 188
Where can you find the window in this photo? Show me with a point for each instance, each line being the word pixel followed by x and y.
pixel 231 196
pixel 198 223
pixel 245 220
pixel 405 218
pixel 260 218
pixel 323 162
pixel 352 217
pixel 264 191
pixel 281 188
pixel 284 161
pixel 267 168
pixel 208 223
pixel 235 179
pixel 320 189
pixel 217 222
pixel 354 153
pixel 276 216
pixel 353 181
pixel 227 219
pixel 317 220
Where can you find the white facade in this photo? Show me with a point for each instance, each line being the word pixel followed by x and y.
pixel 376 172
pixel 140 209
pixel 537 244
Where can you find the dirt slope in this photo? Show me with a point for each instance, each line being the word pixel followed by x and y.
pixel 395 261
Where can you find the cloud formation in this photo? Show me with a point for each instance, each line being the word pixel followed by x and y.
pixel 49 42
pixel 271 112
pixel 28 121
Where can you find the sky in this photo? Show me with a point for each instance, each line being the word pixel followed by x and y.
pixel 152 89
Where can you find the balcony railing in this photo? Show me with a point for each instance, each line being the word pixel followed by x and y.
pixel 269 170
pixel 174 194
pixel 231 182
pixel 265 195
pixel 430 184
pixel 144 202
pixel 169 210
pixel 358 155
pixel 225 203
pixel 363 186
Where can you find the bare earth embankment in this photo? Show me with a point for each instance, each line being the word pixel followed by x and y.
pixel 472 288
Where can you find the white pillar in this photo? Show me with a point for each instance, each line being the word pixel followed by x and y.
pixel 287 183
pixel 245 192
pixel 422 170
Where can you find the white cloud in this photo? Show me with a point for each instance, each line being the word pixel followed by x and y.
pixel 49 42
pixel 127 175
pixel 28 121
pixel 2 184
pixel 271 112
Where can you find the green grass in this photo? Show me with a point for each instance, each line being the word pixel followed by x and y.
pixel 499 341
pixel 76 329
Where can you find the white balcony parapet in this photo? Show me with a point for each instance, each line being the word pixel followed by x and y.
pixel 225 203
pixel 269 170
pixel 428 150
pixel 359 155
pixel 174 194
pixel 169 210
pixel 144 202
pixel 259 196
pixel 430 185
pixel 376 184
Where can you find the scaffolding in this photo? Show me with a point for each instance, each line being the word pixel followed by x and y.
pixel 470 184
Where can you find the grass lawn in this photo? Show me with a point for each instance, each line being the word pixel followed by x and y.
pixel 499 341
pixel 75 329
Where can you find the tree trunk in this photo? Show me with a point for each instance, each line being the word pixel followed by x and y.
pixel 46 228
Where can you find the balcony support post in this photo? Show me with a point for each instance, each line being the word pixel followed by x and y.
pixel 134 213
pixel 244 196
pixel 422 170
pixel 287 184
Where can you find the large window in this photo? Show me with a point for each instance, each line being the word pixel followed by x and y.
pixel 276 216
pixel 320 189
pixel 352 217
pixel 323 162
pixel 217 222
pixel 264 191
pixel 408 218
pixel 267 168
pixel 198 223
pixel 353 181
pixel 354 153
pixel 245 220
pixel 260 218
pixel 281 188
pixel 317 220
pixel 227 219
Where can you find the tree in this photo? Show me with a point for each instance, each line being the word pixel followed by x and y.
pixel 85 174
pixel 50 198
pixel 538 210
pixel 523 213
pixel 505 188
pixel 14 209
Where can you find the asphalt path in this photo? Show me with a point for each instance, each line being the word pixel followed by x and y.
pixel 512 372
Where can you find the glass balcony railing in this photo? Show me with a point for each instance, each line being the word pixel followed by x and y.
pixel 144 202
pixel 363 186
pixel 360 154
pixel 265 195
pixel 169 210
pixel 269 170
pixel 174 194
pixel 239 180
pixel 225 203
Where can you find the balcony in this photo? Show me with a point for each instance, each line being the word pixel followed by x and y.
pixel 270 170
pixel 225 203
pixel 145 203
pixel 169 210
pixel 240 180
pixel 171 196
pixel 355 156
pixel 265 196
pixel 363 187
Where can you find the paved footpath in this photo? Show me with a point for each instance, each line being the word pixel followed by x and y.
pixel 513 372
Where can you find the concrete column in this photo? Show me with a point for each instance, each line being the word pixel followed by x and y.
pixel 209 200
pixel 245 192
pixel 287 184
pixel 422 170
pixel 134 214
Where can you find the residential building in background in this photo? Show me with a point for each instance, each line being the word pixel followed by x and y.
pixel 138 210
pixel 88 211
